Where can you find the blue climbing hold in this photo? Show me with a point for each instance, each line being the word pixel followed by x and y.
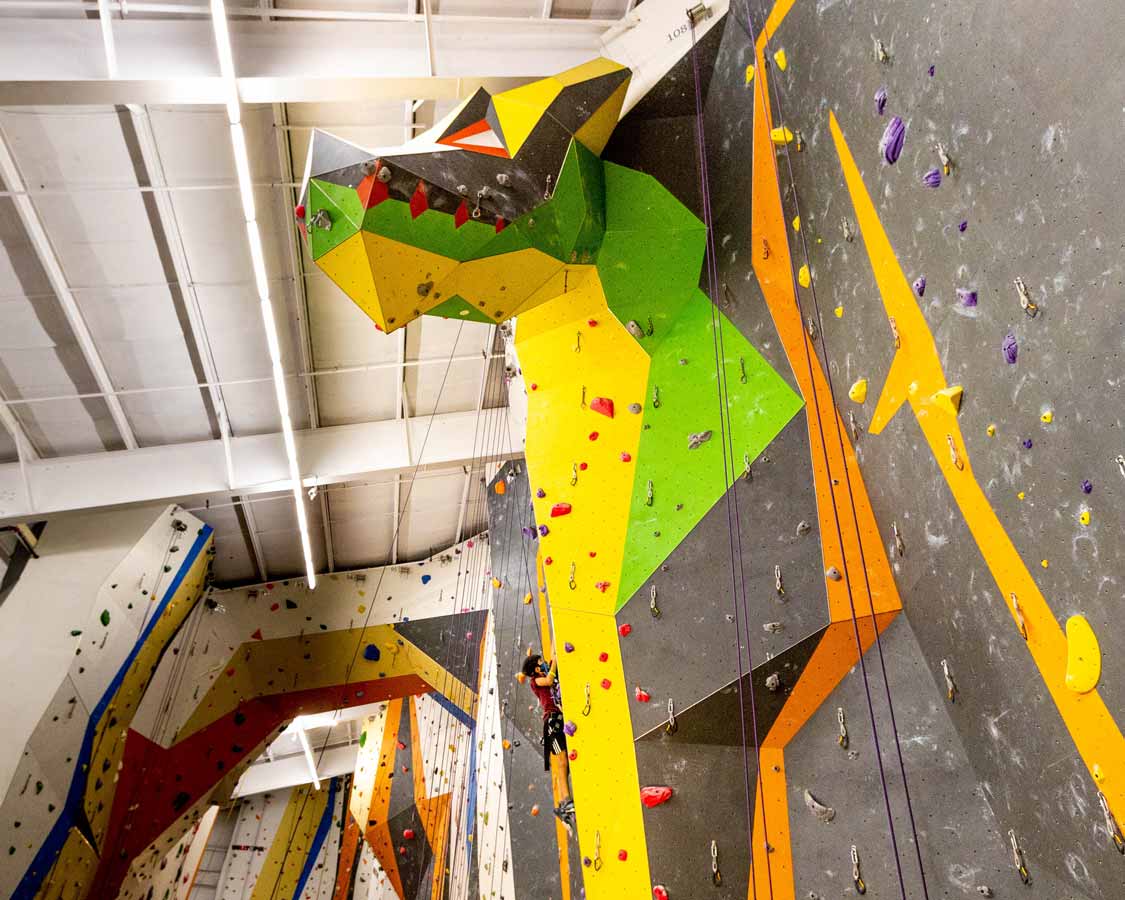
pixel 426 579
pixel 371 653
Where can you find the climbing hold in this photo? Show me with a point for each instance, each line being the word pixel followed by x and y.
pixel 573 755
pixel 527 600
pixel 534 386
pixel 1084 517
pixel 544 531
pixel 635 408
pixel 655 796
pixel 548 560
pixel 520 677
pixel 540 493
pixel 858 391
pixel 967 298
pixel 1021 495
pixel 803 528
pixel 1011 349
pixel 584 466
pixel 781 136
pixel 593 435
pixel 796 223
pixel 299 210
pixel 1044 563
pixel 659 892
pixel 535 809
pixel 560 509
pixel 625 629
pixel 963 226
pixel 408 834
pixel 990 431
pixel 626 457
pixel 749 73
pixel 290 604
pixel 501 486
pixel 371 653
pixel 602 586
pixel 257 635
pixel 803 277
pixel 773 627
pixel 920 286
pixel 949 399
pixel 931 71
pixel 568 647
pixel 426 578
pixel 602 405
pixel 832 573
pixel 1086 486
pixel 1027 443
pixel 823 813
pixel 570 728
pixel 1047 418
pixel 839 311
pixel 1083 656
pixel 104 617
pixel 497 583
pixel 606 684
pixel 622 855
pixel 642 695
pixel 932 179
pixel 773 683
pixel 603 657
pixel 593 323
pixel 894 135
pixel 880 100
pixel 781 59
pixel 697 439
pixel 984 890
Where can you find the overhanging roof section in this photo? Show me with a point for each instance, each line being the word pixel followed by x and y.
pixel 173 471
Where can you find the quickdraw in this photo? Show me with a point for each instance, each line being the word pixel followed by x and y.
pixel 950 684
pixel 747 474
pixel 1017 857
pixel 573 583
pixel 810 327
pixel 656 396
pixel 578 343
pixel 742 368
pixel 1026 303
pixel 586 708
pixel 954 456
pixel 648 494
pixel 842 740
pixel 1120 460
pixel 574 474
pixel 583 403
pixel 900 546
pixel 777 582
pixel 547 192
pixel 652 607
pixel 946 162
pixel 1018 613
pixel 716 875
pixel 857 877
pixel 671 726
pixel 1111 825
pixel 597 851
pixel 894 332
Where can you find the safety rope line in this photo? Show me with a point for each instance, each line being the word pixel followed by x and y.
pixel 741 617
pixel 855 520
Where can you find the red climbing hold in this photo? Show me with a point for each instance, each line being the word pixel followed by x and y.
pixel 602 405
pixel 593 435
pixel 602 586
pixel 462 215
pixel 593 553
pixel 582 467
pixel 419 202
pixel 626 457
pixel 257 635
pixel 654 796
pixel 500 224
pixel 548 561
pixel 593 323
pixel 603 657
pixel 408 834
pixel 372 191
pixel 623 855
pixel 560 509
pixel 643 696
pixel 230 673
pixel 534 386
pixel 274 607
pixel 660 892
pixel 573 755
pixel 625 629
pixel 299 210
pixel 401 745
pixel 607 684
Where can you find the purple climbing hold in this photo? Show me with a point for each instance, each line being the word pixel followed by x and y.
pixel 893 137
pixel 569 647
pixel 931 70
pixel 540 493
pixel 570 728
pixel 964 226
pixel 1011 349
pixel 544 531
pixel 1086 486
pixel 932 178
pixel 920 285
pixel 1027 443
pixel 967 298
pixel 426 579
pixel 880 100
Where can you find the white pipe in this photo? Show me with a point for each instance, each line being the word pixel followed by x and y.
pixel 304 739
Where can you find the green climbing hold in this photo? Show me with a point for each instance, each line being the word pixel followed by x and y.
pixel 75 632
pixel 105 617
pixel 362 738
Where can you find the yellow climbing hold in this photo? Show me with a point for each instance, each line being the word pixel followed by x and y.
pixel 1083 656
pixel 949 399
pixel 991 431
pixel 1043 563
pixel 796 223
pixel 781 59
pixel 839 311
pixel 496 583
pixel 858 391
pixel 749 73
pixel 361 609
pixel 1084 517
pixel 1099 774
pixel 1047 417
pixel 527 599
pixel 781 135
pixel 1020 495
pixel 803 277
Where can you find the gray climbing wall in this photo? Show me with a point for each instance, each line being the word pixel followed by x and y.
pixel 534 847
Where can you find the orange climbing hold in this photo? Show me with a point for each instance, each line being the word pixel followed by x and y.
pixel 501 487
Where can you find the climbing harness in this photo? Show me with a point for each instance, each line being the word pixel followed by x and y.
pixel 648 494
pixel 586 708
pixel 574 474
pixel 900 547
pixel 1018 613
pixel 1111 825
pixel 652 607
pixel 954 456
pixel 597 851
pixel 742 368
pixel 671 727
pixel 573 583
pixel 857 878
pixel 842 740
pixel 716 875
pixel 1017 857
pixel 1025 298
pixel 777 584
pixel 894 332
pixel 656 396
pixel 950 685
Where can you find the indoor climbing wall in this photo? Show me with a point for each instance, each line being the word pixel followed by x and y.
pixel 127 596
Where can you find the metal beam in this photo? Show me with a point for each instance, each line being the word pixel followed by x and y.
pixel 36 232
pixel 176 471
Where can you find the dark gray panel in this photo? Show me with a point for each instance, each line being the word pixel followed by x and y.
pixel 446 640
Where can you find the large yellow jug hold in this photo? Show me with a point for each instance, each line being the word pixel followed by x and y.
pixel 1083 656
pixel 858 391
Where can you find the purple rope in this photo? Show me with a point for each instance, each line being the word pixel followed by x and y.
pixel 847 577
pixel 733 527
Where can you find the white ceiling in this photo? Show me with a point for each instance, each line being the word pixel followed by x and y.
pixel 83 169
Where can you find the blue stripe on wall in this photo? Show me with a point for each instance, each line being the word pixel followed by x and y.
pixel 318 839
pixel 44 858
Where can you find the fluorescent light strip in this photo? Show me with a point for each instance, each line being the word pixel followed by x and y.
pixel 257 258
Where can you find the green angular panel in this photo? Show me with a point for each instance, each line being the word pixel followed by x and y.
pixel 689 402
pixel 456 307
pixel 635 200
pixel 432 230
pixel 342 205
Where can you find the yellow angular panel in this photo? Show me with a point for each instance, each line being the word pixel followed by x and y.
pixel 595 68
pixel 498 285
pixel 348 266
pixel 1083 656
pixel 537 95
pixel 406 272
pixel 567 279
pixel 517 119
pixel 596 130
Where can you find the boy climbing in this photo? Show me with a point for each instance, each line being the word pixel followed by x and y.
pixel 545 685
